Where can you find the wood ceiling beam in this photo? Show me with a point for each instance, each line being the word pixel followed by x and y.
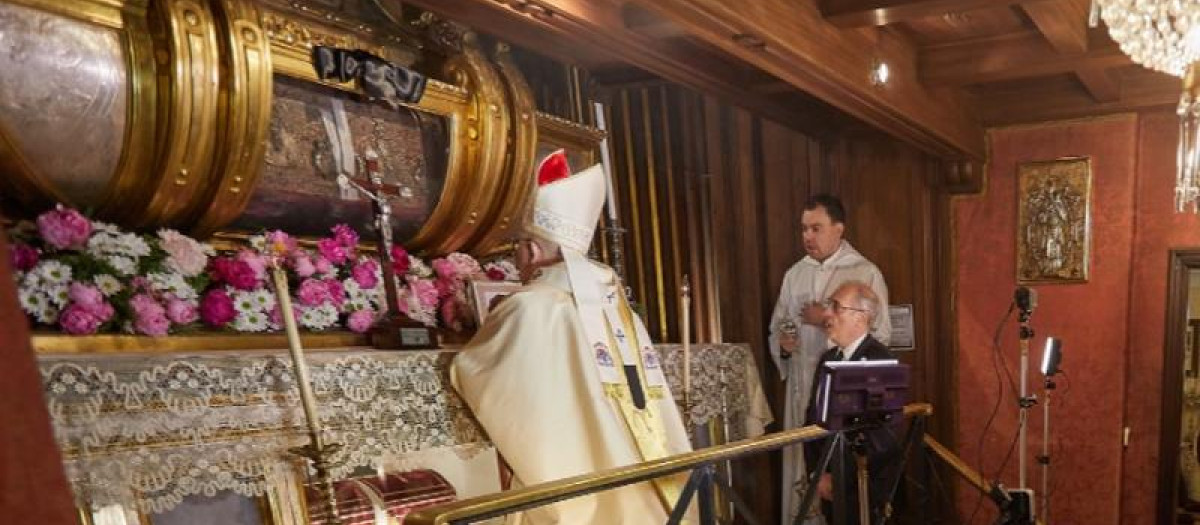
pixel 862 13
pixel 556 29
pixel 1062 22
pixel 1100 83
pixel 1023 56
pixel 649 23
pixel 1140 91
pixel 791 41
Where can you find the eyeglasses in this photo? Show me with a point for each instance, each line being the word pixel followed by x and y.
pixel 836 307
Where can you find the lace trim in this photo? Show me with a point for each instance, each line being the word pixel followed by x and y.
pixel 149 431
pixel 568 234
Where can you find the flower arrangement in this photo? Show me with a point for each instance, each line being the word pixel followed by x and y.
pixel 87 277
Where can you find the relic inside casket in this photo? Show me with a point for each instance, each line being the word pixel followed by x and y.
pixel 362 500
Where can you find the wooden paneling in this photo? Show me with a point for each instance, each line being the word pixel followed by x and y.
pixel 718 191
pixel 855 13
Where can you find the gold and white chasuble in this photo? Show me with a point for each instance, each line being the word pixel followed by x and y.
pixel 557 405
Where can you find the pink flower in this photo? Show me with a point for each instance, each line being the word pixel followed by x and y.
pixel 184 254
pixel 303 265
pixel 279 244
pixel 238 273
pixel 332 250
pixel 425 290
pixel 364 274
pixel 361 321
pixel 155 325
pixel 445 268
pixel 322 265
pixel 64 228
pixel 337 292
pixel 496 274
pixel 256 261
pixel 445 287
pixel 465 265
pixel 216 308
pixel 24 257
pixel 346 236
pixel 139 283
pixel 77 320
pixel 276 315
pixel 86 296
pixel 312 292
pixel 181 312
pixel 400 262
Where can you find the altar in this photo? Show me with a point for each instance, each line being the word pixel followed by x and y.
pixel 145 437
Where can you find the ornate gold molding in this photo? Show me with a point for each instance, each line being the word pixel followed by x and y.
pixel 519 182
pixel 246 92
pixel 187 75
pixel 477 160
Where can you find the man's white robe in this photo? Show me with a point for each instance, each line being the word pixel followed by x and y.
pixel 531 379
pixel 811 280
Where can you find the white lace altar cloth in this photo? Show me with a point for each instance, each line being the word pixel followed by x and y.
pixel 149 430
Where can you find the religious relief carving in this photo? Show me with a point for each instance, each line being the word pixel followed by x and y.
pixel 1054 224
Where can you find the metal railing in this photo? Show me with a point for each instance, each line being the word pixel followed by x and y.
pixel 702 462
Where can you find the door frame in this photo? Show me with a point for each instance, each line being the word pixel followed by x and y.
pixel 1181 262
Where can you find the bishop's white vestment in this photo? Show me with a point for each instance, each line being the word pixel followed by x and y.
pixel 806 281
pixel 553 406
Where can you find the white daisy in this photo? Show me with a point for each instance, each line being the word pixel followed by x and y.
pixel 52 272
pixel 123 265
pixel 258 242
pixel 31 300
pixel 107 284
pixel 47 315
pixel 58 294
pixel 172 283
pixel 264 299
pixel 250 322
pixel 244 303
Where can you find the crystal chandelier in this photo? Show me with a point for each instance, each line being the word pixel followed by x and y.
pixel 1165 35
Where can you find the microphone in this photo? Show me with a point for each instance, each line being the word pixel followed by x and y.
pixel 1026 299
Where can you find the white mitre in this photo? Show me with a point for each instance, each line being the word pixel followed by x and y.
pixel 567 207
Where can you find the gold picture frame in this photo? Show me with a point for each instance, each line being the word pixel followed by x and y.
pixel 486 294
pixel 1054 221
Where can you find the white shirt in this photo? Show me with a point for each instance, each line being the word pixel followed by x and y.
pixel 845 353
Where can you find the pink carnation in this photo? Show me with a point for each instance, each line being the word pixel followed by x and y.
pixel 24 257
pixel 150 317
pixel 303 265
pixel 77 320
pixel 364 274
pixel 465 265
pixel 256 261
pixel 86 296
pixel 237 273
pixel 184 254
pixel 425 291
pixel 337 292
pixel 346 236
pixel 312 292
pixel 332 250
pixel 400 262
pixel 496 274
pixel 322 265
pixel 445 268
pixel 279 244
pixel 180 311
pixel 64 228
pixel 361 321
pixel 216 308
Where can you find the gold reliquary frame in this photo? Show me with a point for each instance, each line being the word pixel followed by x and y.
pixel 197 110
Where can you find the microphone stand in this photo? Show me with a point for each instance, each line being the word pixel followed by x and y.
pixel 1026 401
pixel 1044 458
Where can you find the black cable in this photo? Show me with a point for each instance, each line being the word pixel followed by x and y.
pixel 997 364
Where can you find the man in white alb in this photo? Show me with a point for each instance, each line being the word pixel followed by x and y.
pixel 797 338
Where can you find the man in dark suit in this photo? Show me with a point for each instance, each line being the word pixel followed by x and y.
pixel 849 314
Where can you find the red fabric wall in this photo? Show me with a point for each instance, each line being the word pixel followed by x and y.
pixel 1092 319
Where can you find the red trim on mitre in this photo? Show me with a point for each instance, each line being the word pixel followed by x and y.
pixel 553 168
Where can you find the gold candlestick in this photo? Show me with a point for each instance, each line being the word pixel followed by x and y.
pixel 316 450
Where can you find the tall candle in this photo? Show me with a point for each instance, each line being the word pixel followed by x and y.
pixel 685 292
pixel 606 163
